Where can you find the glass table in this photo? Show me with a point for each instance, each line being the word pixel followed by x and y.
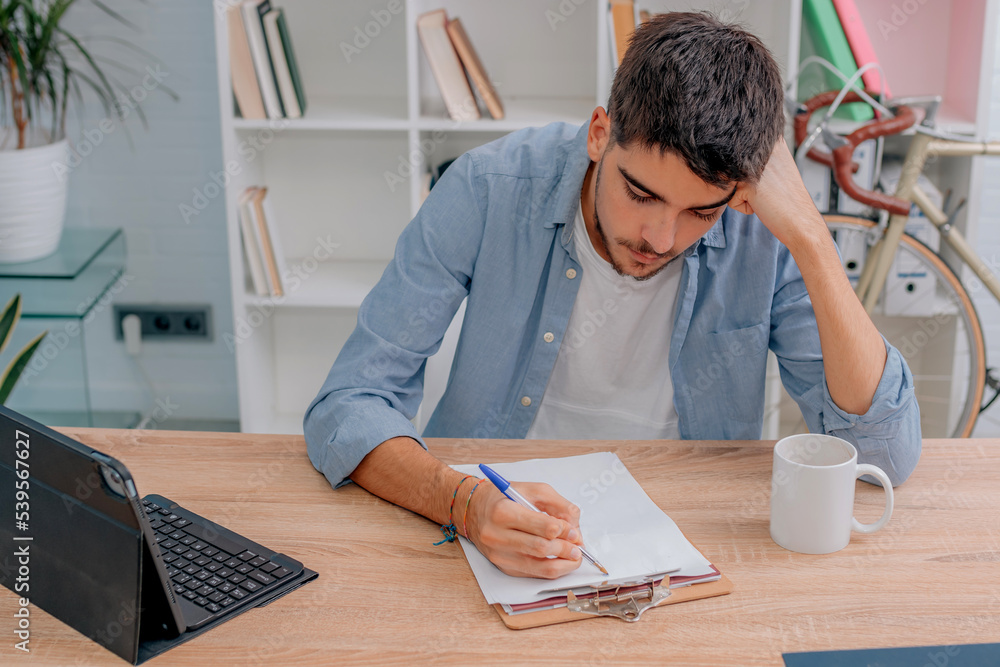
pixel 63 294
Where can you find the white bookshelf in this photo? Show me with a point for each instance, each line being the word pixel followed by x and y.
pixel 326 171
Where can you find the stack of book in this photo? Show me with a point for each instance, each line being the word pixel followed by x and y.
pixel 261 244
pixel 453 61
pixel 265 74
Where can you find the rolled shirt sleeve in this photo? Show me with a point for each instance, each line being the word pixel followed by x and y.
pixel 375 386
pixel 888 435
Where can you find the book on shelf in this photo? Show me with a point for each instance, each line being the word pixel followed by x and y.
pixel 446 66
pixel 261 242
pixel 251 246
pixel 286 70
pixel 475 69
pixel 265 73
pixel 861 44
pixel 824 33
pixel 621 25
pixel 245 87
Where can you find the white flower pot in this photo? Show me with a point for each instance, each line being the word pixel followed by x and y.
pixel 32 201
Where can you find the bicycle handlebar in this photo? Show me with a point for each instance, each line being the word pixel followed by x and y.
pixel 841 161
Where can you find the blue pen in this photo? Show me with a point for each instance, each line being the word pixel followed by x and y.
pixel 511 492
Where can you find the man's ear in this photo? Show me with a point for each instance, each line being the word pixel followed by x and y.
pixel 741 200
pixel 599 134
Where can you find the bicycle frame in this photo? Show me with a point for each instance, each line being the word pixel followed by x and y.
pixel 874 273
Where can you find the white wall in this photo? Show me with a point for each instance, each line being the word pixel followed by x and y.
pixel 988 246
pixel 140 188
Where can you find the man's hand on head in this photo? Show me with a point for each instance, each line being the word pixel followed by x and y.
pixel 781 201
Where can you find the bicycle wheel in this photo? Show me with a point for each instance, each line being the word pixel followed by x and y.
pixel 926 313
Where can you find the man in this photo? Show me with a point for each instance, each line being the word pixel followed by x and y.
pixel 624 280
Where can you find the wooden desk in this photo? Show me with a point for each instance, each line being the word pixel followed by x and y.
pixel 386 595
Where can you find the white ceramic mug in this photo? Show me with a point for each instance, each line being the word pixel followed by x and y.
pixel 812 493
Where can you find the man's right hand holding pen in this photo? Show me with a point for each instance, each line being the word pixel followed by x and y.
pixel 515 539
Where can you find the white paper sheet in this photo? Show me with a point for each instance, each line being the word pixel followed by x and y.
pixel 621 527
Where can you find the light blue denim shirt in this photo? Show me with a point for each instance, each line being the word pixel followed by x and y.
pixel 498 229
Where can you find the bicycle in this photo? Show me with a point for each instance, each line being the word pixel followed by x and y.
pixel 926 313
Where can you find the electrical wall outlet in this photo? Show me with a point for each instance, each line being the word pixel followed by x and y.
pixel 173 322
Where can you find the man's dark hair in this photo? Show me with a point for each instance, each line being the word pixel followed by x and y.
pixel 708 91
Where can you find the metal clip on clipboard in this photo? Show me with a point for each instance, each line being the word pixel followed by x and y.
pixel 625 601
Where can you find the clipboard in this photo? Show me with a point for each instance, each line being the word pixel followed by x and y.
pixel 625 602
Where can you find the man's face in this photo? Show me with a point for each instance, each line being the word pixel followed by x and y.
pixel 649 208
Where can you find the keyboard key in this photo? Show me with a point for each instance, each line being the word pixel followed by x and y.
pixel 237 594
pixel 233 563
pixel 225 573
pixel 216 596
pixel 165 529
pixel 268 567
pixel 156 523
pixel 181 562
pixel 180 549
pixel 226 587
pixel 170 557
pixel 215 581
pixel 213 566
pixel 251 585
pixel 188 540
pixel 171 518
pixel 245 568
pixel 261 577
pixel 258 561
pixel 181 578
pixel 192 569
pixel 171 571
pixel 194 584
pixel 199 545
pixel 212 607
pixel 179 590
pixel 181 523
pixel 222 557
pixel 202 561
pixel 201 601
pixel 203 575
pixel 176 535
pixel 168 543
pixel 227 602
pixel 210 551
pixel 190 595
pixel 237 578
pixel 164 512
pixel 205 590
pixel 247 555
pixel 281 572
pixel 147 503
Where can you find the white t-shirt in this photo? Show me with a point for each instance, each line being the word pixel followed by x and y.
pixel 611 379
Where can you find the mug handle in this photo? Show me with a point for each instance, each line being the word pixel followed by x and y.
pixel 865 469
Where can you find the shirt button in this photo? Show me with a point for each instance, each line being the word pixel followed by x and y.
pixel 525 401
pixel 548 337
pixel 571 273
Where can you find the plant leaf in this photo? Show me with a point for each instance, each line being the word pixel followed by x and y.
pixel 16 367
pixel 11 314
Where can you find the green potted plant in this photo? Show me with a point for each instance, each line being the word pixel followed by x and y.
pixel 8 320
pixel 42 68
